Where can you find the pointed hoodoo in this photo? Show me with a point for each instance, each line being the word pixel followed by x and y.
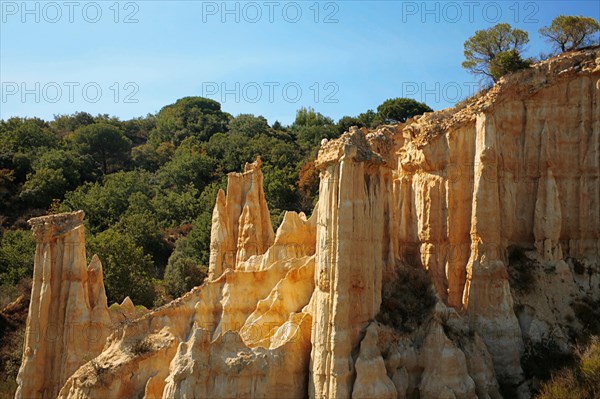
pixel 241 223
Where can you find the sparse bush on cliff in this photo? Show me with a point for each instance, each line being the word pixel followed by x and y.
pixel 520 270
pixel 408 300
pixel 507 62
pixel 588 314
pixel 141 347
pixel 541 358
pixel 580 382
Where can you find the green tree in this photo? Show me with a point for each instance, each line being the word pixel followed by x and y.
pixel 183 273
pixel 145 231
pixel 485 45
pixel 190 116
pixel 176 207
pixel 127 270
pixel 21 141
pixel 570 32
pixel 42 186
pixel 280 188
pixel 138 129
pixel 105 202
pixel 55 171
pixel 308 186
pixel 248 125
pixel 26 134
pixel 17 249
pixel 397 110
pixel 105 143
pixel 346 122
pixel 190 164
pixel 506 62
pixel 147 156
pixel 369 119
pixel 65 124
pixel 310 127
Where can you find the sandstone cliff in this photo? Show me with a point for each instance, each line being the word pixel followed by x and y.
pixel 504 187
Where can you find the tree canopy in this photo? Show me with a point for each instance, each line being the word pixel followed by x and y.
pixel 485 45
pixel 397 110
pixel 105 143
pixel 198 117
pixel 570 32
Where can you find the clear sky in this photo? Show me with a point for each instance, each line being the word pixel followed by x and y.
pixel 130 58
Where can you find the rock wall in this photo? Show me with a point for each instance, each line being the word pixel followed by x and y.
pixel 497 199
pixel 349 260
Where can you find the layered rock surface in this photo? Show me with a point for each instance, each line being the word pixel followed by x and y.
pixel 68 319
pixel 457 192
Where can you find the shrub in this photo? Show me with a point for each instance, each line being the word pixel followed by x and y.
pixel 520 270
pixel 98 368
pixel 183 274
pixel 141 347
pixel 17 249
pixel 408 300
pixel 578 266
pixel 507 62
pixel 541 358
pixel 579 382
pixel 588 314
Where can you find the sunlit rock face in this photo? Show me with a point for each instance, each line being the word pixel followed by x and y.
pixel 511 177
pixel 68 319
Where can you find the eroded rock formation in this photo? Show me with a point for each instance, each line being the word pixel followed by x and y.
pixel 481 196
pixel 68 319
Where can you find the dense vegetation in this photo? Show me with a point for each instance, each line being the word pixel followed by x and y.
pixel 148 185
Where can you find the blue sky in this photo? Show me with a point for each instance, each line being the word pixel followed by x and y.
pixel 130 58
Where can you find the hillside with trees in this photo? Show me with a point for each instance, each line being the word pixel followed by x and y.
pixel 148 185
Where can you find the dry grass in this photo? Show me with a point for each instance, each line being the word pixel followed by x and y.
pixel 579 382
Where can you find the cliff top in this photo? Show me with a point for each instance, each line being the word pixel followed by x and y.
pixel 523 84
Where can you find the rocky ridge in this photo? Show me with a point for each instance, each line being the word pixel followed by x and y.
pixel 502 188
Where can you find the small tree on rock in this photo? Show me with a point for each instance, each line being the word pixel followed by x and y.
pixel 397 110
pixel 485 45
pixel 570 32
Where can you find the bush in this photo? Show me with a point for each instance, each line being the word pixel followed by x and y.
pixel 507 62
pixel 141 347
pixel 579 382
pixel 127 270
pixel 541 358
pixel 17 249
pixel 578 266
pixel 408 300
pixel 520 270
pixel 588 314
pixel 183 274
